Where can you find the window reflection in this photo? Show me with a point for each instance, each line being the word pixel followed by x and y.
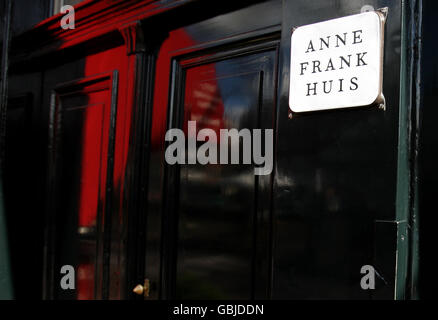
pixel 58 4
pixel 82 144
pixel 218 213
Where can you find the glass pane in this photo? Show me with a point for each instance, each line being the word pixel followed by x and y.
pixel 218 211
pixel 78 213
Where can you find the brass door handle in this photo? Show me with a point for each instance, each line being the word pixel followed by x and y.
pixel 143 289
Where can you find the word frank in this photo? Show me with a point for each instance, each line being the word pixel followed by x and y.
pixel 207 153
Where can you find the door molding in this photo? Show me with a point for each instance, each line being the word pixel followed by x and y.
pixel 100 82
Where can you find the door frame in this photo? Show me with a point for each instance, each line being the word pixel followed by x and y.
pixel 110 80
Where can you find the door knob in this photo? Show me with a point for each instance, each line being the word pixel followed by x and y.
pixel 142 289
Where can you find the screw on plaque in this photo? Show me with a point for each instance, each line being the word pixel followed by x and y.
pixel 382 104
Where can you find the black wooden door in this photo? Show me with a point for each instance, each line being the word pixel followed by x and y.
pixel 214 219
pixel 80 166
pixel 223 212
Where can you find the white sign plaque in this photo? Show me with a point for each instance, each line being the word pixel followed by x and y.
pixel 337 63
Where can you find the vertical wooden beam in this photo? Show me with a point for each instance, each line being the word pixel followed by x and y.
pixel 414 256
pixel 6 291
pixel 142 53
pixel 407 169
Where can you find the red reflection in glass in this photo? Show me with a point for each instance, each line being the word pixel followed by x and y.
pixel 85 281
pixel 91 160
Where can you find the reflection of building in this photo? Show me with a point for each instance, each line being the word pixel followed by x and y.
pixel 58 4
pixel 85 182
